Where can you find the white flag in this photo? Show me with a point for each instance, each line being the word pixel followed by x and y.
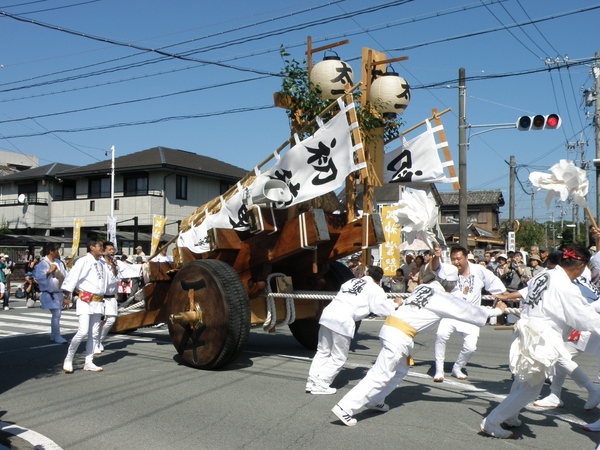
pixel 319 164
pixel 565 179
pixel 417 160
pixel 111 231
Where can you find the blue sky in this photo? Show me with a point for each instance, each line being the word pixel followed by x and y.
pixel 113 82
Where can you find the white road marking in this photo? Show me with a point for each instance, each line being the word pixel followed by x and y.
pixel 37 440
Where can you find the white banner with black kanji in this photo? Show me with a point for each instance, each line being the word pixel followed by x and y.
pixel 417 160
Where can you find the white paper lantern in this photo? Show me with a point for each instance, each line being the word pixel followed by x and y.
pixel 390 94
pixel 331 75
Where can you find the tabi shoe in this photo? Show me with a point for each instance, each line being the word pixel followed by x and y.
pixel 60 340
pixel 438 377
pixel 381 407
pixel 458 373
pixel 512 422
pixel 495 430
pixel 346 418
pixel 98 349
pixel 91 367
pixel 592 426
pixel 552 401
pixel 593 400
pixel 322 390
pixel 310 385
pixel 68 366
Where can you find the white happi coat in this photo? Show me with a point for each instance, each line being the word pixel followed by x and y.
pixel 553 307
pixel 356 299
pixel 112 286
pixel 52 296
pixel 469 289
pixel 91 276
pixel 425 308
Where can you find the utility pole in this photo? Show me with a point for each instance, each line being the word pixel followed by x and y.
pixel 511 207
pixel 596 74
pixel 463 217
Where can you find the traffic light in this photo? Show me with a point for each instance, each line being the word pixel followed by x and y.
pixel 539 122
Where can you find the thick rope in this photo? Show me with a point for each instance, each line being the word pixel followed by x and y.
pixel 314 295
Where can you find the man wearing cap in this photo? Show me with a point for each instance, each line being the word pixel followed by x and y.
pixel 552 308
pixel 426 307
pixel 472 279
pixel 139 251
pixel 356 299
pixel 88 280
pixel 544 256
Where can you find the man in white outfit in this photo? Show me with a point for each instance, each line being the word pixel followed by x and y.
pixel 472 278
pixel 552 308
pixel 356 299
pixel 87 280
pixel 425 308
pixel 111 308
pixel 50 274
pixel 162 256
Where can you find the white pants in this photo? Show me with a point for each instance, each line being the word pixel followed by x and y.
pixel 102 328
pixel 87 323
pixel 389 370
pixel 332 353
pixel 521 394
pixel 559 372
pixel 470 334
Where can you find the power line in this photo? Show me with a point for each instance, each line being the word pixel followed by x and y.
pixel 127 102
pixel 133 46
pixel 144 122
pixel 491 30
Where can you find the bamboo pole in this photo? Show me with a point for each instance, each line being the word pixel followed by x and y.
pixel 420 124
pixel 447 156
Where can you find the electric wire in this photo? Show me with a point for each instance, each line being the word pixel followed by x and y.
pixel 491 30
pixel 513 35
pixel 145 122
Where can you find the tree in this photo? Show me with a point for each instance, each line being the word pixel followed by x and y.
pixel 303 102
pixel 530 233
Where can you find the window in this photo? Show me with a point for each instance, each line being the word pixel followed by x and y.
pixel 99 188
pixel 68 190
pixel 181 188
pixel 482 218
pixel 30 191
pixel 225 186
pixel 116 204
pixel 136 184
pixel 92 205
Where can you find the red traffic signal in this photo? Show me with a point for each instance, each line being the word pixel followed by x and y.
pixel 539 122
pixel 553 122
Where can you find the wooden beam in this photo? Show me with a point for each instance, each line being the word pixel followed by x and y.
pixel 389 61
pixel 325 47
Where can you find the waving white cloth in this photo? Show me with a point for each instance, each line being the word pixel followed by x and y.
pixel 565 179
pixel 417 213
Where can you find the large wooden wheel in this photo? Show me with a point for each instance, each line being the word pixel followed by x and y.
pixel 306 331
pixel 214 291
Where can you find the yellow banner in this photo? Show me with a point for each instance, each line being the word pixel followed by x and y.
pixel 158 228
pixel 76 238
pixel 390 254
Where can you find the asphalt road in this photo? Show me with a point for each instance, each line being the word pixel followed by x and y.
pixel 147 398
